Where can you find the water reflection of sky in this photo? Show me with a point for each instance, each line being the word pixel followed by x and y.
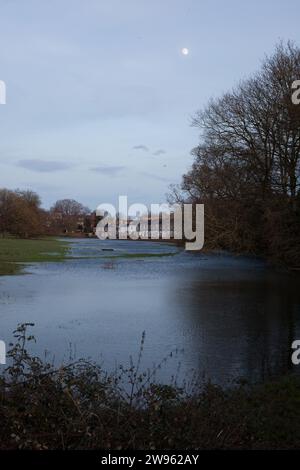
pixel 226 316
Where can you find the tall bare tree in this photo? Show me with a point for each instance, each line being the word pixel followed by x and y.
pixel 66 214
pixel 247 164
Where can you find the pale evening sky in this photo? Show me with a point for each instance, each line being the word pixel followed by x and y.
pixel 99 94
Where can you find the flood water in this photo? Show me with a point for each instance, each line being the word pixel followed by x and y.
pixel 222 316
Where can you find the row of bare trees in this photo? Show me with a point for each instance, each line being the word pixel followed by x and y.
pixel 21 215
pixel 247 165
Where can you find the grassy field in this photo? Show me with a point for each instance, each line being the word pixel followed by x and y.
pixel 14 253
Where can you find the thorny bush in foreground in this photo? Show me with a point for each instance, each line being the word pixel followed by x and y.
pixel 80 406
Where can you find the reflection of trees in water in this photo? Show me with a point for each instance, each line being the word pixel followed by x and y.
pixel 239 323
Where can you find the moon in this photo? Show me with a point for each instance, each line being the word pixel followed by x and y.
pixel 185 51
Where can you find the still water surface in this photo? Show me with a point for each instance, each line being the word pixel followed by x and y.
pixel 226 316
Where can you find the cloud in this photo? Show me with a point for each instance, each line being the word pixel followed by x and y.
pixel 159 152
pixel 141 147
pixel 109 170
pixel 156 177
pixel 43 166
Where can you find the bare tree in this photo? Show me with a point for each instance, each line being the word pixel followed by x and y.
pixel 20 213
pixel 255 129
pixel 66 214
pixel 246 167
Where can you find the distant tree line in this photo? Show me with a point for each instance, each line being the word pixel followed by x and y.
pixel 21 215
pixel 246 167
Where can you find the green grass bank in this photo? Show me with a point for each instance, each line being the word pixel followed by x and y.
pixel 15 253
